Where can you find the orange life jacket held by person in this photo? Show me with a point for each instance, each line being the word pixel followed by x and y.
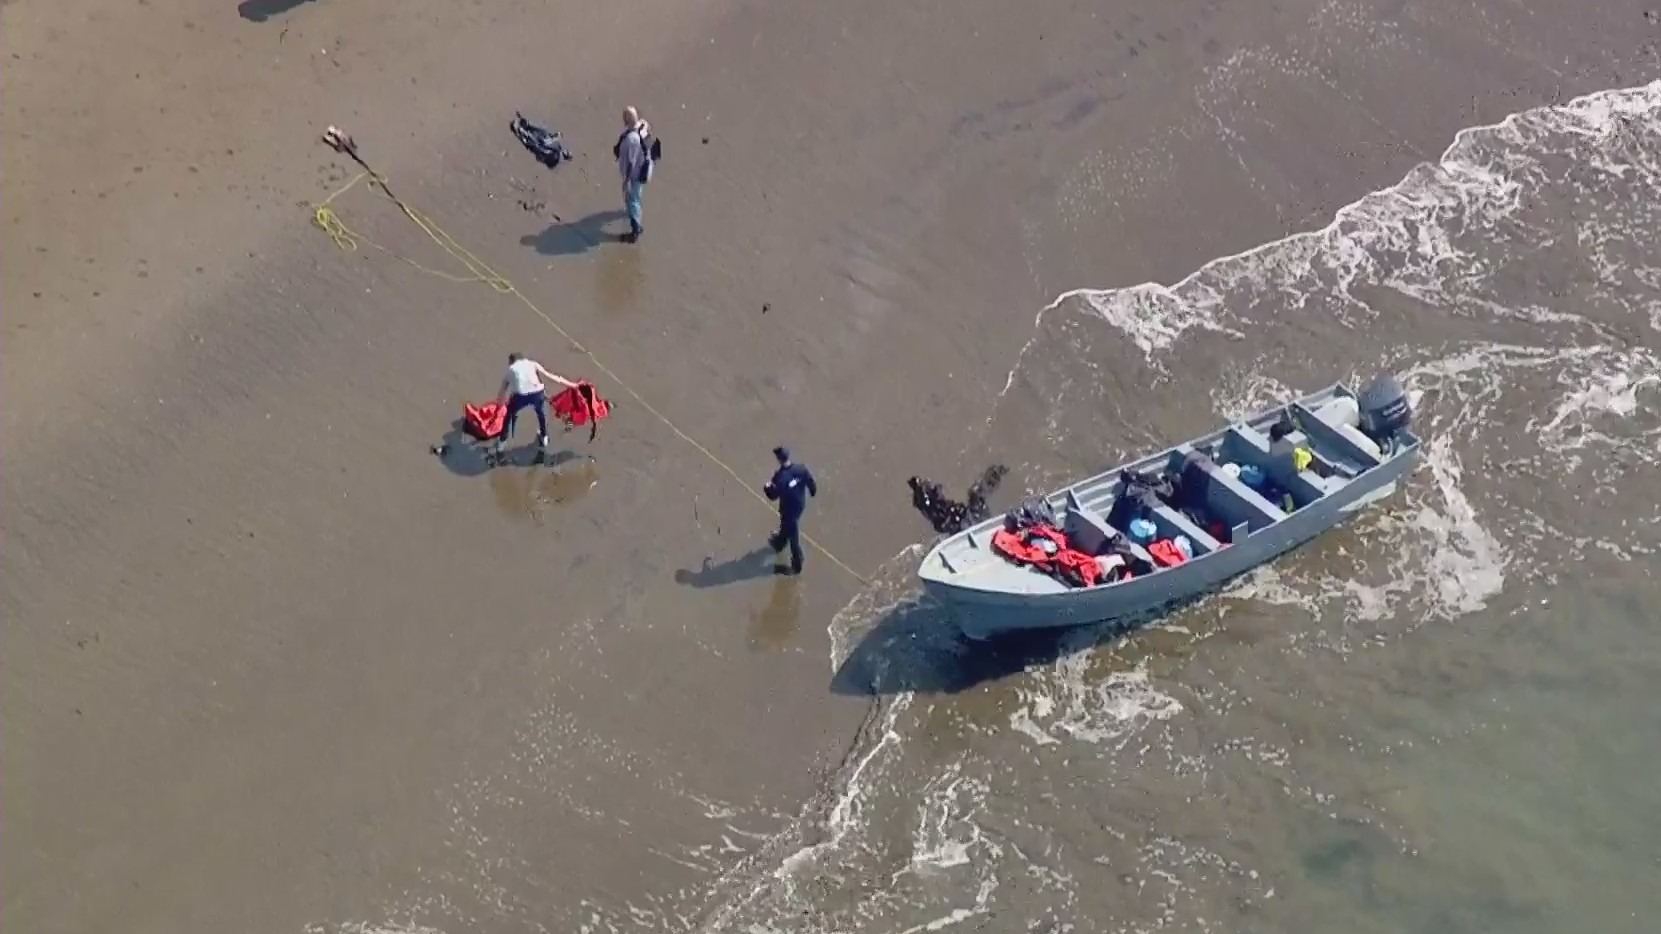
pixel 581 405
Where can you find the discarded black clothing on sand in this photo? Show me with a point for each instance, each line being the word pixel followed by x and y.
pixel 546 145
pixel 947 515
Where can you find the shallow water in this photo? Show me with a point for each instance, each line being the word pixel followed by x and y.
pixel 1436 718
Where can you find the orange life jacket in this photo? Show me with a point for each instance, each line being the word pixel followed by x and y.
pixel 581 405
pixel 1166 553
pixel 483 421
pixel 1066 564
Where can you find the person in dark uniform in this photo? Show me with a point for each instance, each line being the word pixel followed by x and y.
pixel 790 487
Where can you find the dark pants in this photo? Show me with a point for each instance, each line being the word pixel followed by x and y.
pixel 530 400
pixel 789 533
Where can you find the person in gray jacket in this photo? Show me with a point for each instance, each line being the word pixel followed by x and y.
pixel 634 164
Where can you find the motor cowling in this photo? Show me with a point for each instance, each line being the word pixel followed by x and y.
pixel 1385 409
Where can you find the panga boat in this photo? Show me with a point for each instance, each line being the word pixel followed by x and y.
pixel 1179 523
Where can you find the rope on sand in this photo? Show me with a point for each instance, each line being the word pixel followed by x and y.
pixel 326 218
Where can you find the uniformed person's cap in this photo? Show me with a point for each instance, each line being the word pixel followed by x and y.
pixel 782 453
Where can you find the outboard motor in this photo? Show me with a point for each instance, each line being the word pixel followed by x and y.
pixel 1385 410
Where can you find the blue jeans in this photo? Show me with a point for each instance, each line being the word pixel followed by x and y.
pixel 531 400
pixel 631 202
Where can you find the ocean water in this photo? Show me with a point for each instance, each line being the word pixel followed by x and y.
pixel 1438 718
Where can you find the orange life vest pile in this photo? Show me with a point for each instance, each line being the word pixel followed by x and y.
pixel 484 422
pixel 1045 548
pixel 1166 553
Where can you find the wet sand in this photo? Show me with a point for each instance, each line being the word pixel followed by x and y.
pixel 269 664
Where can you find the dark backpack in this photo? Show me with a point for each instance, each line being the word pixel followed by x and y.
pixel 654 152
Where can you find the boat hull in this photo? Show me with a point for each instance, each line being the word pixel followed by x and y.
pixel 984 614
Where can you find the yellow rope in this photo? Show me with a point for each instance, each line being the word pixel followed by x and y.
pixel 347 239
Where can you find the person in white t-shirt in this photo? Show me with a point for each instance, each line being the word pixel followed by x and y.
pixel 522 388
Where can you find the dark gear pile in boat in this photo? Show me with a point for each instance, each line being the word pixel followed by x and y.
pixel 1033 511
pixel 1139 494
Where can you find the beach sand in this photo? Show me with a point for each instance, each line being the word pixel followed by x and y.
pixel 269 664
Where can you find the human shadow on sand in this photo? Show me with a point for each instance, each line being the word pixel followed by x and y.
pixel 915 647
pixel 465 457
pixel 749 566
pixel 258 11
pixel 573 237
